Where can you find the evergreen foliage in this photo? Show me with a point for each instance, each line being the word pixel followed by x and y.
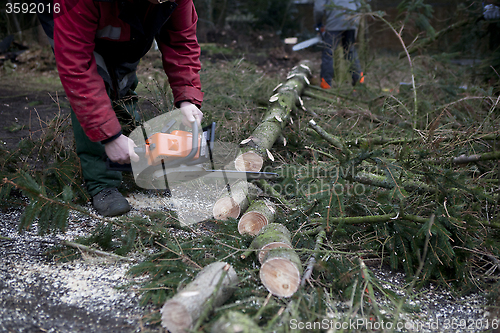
pixel 46 173
pixel 440 218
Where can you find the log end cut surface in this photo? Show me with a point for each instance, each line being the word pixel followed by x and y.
pixel 248 161
pixel 175 317
pixel 251 223
pixel 267 247
pixel 280 276
pixel 225 208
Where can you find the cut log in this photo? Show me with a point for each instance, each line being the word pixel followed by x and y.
pixel 233 202
pixel 256 148
pixel 249 161
pixel 235 322
pixel 280 273
pixel 215 282
pixel 259 214
pixel 271 236
pixel 225 208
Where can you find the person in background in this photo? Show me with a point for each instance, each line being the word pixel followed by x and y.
pixel 98 45
pixel 336 22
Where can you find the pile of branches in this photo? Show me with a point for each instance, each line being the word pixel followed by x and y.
pixel 406 178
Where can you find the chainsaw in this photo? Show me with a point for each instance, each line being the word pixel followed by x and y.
pixel 179 156
pixel 310 42
pixel 307 43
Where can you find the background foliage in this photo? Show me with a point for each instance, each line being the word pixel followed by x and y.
pixel 399 133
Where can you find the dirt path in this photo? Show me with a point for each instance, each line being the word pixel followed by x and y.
pixel 38 294
pixel 25 111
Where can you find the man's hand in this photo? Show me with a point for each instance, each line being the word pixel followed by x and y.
pixel 190 113
pixel 121 150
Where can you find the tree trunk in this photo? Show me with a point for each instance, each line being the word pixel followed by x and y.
pixel 280 272
pixel 213 285
pixel 256 148
pixel 235 322
pixel 259 214
pixel 271 236
pixel 235 201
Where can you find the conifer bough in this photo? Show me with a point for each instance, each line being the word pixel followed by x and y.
pixel 213 285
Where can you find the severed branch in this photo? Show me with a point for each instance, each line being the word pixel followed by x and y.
pixel 353 220
pixel 94 251
pixel 410 186
pixel 464 159
pixel 269 189
pixel 385 141
pixel 310 265
pixel 309 93
pixel 333 140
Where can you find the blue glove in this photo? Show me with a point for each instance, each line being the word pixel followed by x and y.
pixel 491 12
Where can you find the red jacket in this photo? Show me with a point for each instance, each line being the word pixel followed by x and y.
pixel 83 26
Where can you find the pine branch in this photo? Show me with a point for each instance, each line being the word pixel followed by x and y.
pixel 309 130
pixel 429 40
pixel 356 219
pixel 264 185
pixel 381 141
pixel 308 93
pixel 414 218
pixel 94 251
pixel 310 265
pixel 57 202
pixel 266 302
pixel 333 140
pixel 464 159
pixel 409 186
pixel 381 181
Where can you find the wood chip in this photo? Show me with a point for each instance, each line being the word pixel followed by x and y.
pixel 245 141
pixel 271 157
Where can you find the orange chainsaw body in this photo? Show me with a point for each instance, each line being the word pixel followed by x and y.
pixel 168 146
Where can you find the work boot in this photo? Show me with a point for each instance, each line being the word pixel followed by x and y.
pixel 324 84
pixel 358 79
pixel 110 202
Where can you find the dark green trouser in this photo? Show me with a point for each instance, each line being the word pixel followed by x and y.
pixel 92 154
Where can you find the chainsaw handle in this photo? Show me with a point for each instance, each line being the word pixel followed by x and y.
pixel 140 150
pixel 194 146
